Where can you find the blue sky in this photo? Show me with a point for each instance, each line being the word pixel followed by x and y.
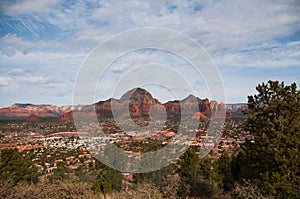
pixel 44 42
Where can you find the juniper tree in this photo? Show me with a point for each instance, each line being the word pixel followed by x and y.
pixel 272 155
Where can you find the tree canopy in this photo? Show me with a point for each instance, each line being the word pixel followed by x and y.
pixel 17 168
pixel 272 155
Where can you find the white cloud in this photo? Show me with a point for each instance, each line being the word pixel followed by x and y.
pixel 16 71
pixel 29 7
pixel 118 68
pixel 55 61
pixel 11 43
pixel 275 56
pixel 251 34
pixel 38 80
pixel 223 28
pixel 4 81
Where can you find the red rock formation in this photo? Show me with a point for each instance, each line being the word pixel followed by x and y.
pixel 135 111
pixel 22 111
pixel 68 116
pixel 158 111
pixel 138 101
pixel 229 115
pixel 32 117
pixel 213 106
pixel 199 115
pixel 221 107
pixel 141 102
pixel 173 109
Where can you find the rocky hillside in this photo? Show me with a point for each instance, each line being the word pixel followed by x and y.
pixel 139 102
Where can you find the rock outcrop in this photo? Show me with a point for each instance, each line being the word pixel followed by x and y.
pixel 135 103
pixel 138 103
pixel 32 117
pixel 67 116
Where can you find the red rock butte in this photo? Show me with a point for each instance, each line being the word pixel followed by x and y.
pixel 141 103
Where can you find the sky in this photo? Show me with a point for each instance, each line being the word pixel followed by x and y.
pixel 45 43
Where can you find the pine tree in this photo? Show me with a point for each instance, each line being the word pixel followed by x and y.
pixel 273 154
pixel 224 166
pixel 189 163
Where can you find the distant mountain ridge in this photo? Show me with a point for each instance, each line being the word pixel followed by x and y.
pixel 22 111
pixel 139 102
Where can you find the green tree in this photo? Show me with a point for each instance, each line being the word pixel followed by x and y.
pixel 272 155
pixel 224 166
pixel 17 168
pixel 110 176
pixel 154 177
pixel 189 163
pixel 199 178
pixel 210 171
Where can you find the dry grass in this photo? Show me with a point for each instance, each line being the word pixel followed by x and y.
pixel 46 191
pixel 143 190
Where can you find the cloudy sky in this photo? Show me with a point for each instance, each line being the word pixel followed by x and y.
pixel 43 43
